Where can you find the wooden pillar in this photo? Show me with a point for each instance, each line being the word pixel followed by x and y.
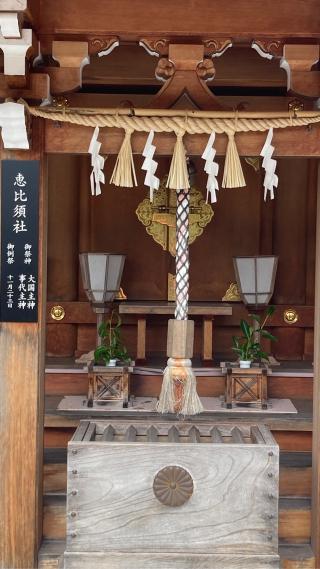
pixel 315 535
pixel 21 408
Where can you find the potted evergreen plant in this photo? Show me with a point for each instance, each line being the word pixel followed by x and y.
pixel 112 348
pixel 248 347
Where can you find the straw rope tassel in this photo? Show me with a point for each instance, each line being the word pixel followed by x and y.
pixel 179 389
pixel 233 174
pixel 178 178
pixel 124 174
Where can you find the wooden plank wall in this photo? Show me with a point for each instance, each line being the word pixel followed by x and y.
pixel 242 224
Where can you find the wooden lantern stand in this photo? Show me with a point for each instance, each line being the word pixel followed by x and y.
pixel 246 386
pixel 108 384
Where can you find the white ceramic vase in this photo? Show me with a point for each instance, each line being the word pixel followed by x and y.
pixel 245 364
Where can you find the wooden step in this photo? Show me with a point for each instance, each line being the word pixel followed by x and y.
pixel 286 386
pixel 292 556
pixel 292 432
pixel 294 519
pixel 295 472
pixel 50 554
pixel 54 517
pixel 296 557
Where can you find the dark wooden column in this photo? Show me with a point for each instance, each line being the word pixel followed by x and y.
pixel 21 407
pixel 315 536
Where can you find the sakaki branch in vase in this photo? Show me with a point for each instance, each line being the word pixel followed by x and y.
pixel 248 347
pixel 111 349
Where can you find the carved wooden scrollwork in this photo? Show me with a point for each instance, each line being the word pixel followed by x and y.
pixel 271 47
pixel 155 46
pixel 165 69
pixel 106 44
pixel 206 69
pixel 216 46
pixel 185 68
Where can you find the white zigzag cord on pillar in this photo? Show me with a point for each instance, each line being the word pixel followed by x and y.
pixel 97 163
pixel 150 165
pixel 12 121
pixel 269 164
pixel 211 168
pixel 182 255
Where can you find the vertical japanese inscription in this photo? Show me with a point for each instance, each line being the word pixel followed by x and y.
pixel 19 240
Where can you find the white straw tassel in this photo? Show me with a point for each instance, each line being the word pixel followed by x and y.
pixel 269 164
pixel 179 381
pixel 233 174
pixel 178 178
pixel 150 165
pixel 211 168
pixel 97 163
pixel 124 174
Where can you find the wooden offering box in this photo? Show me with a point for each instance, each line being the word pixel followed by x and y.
pixel 166 496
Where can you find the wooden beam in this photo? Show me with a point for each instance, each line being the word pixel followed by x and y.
pixel 141 18
pixel 301 78
pixel 63 137
pixel 21 411
pixel 315 536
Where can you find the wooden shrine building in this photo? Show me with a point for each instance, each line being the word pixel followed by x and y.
pixel 102 106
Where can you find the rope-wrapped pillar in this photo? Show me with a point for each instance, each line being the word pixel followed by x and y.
pixel 182 255
pixel 179 393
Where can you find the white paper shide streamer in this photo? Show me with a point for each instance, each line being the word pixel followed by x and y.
pixel 211 168
pixel 13 124
pixel 97 163
pixel 150 165
pixel 269 164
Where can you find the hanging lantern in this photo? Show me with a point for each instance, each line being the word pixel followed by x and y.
pixel 101 276
pixel 255 278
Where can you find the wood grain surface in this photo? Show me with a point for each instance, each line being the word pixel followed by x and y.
pixel 22 406
pixel 292 557
pixel 168 561
pixel 227 513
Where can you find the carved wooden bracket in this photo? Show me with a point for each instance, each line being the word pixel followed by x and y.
pixel 72 56
pixel 298 61
pixel 15 52
pixel 37 86
pixel 185 68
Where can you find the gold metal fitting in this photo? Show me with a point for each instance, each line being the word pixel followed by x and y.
pixel 295 105
pixel 60 102
pixel 290 316
pixel 57 312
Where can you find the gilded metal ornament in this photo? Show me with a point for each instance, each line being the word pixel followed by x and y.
pixel 295 105
pixel 290 316
pixel 57 312
pixel 121 295
pixel 173 486
pixel 232 294
pixel 159 217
